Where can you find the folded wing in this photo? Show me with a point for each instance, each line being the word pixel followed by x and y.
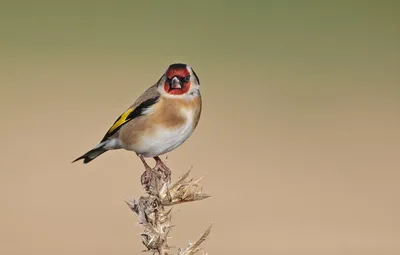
pixel 130 114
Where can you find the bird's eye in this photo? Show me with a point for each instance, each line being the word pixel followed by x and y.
pixel 168 80
pixel 187 78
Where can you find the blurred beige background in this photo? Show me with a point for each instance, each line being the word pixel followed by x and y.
pixel 299 135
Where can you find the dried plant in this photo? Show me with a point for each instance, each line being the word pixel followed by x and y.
pixel 153 216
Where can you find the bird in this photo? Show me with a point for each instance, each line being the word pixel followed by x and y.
pixel 159 121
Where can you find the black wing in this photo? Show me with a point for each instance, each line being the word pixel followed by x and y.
pixel 128 115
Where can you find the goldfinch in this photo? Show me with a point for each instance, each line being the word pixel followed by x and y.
pixel 159 121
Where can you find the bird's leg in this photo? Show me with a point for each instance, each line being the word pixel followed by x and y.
pixel 146 166
pixel 159 163
pixel 149 178
pixel 162 167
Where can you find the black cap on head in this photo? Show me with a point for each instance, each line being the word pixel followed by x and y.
pixel 177 66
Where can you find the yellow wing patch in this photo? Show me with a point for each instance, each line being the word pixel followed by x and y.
pixel 128 115
pixel 120 121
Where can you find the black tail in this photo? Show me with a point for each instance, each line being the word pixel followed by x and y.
pixel 90 155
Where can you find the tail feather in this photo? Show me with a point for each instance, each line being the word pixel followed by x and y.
pixel 90 155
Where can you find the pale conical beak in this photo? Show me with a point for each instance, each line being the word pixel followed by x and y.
pixel 176 83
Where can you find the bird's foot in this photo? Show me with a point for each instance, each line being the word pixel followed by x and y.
pixel 161 167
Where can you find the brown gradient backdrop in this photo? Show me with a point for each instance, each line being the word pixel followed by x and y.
pixel 299 135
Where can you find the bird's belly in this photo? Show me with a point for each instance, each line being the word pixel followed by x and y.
pixel 162 140
pixel 150 137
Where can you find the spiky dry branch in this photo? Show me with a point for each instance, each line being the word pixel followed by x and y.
pixel 151 211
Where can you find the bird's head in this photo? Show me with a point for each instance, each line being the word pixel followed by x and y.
pixel 179 80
